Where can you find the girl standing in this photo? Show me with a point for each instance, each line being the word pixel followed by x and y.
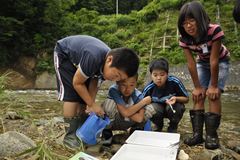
pixel 209 70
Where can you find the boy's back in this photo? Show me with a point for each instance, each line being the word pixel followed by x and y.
pixel 86 51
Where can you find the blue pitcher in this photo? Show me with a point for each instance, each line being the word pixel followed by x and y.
pixel 92 128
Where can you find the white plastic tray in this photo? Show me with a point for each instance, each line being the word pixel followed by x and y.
pixel 141 152
pixel 159 139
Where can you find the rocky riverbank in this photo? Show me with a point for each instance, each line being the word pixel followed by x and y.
pixel 37 115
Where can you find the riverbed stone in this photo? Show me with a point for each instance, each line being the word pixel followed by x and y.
pixel 209 155
pixel 13 143
pixel 234 145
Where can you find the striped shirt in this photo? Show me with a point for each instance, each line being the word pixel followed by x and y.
pixel 203 50
pixel 173 87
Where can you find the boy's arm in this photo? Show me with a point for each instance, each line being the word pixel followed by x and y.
pixel 174 99
pixel 182 99
pixel 93 88
pixel 80 87
pixel 129 111
pixel 138 117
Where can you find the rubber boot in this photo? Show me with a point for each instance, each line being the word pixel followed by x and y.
pixel 70 139
pixel 107 136
pixel 172 127
pixel 157 119
pixel 212 122
pixel 137 126
pixel 197 120
pixel 176 117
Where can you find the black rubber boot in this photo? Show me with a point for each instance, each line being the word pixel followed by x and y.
pixel 136 126
pixel 212 122
pixel 172 127
pixel 70 139
pixel 175 117
pixel 157 119
pixel 197 120
pixel 107 136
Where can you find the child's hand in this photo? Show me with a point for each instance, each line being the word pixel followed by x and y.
pixel 96 109
pixel 213 93
pixel 172 100
pixel 198 94
pixel 147 100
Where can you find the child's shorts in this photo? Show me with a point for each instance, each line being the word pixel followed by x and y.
pixel 204 73
pixel 65 71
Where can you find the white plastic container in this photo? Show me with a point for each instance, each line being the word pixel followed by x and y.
pixel 141 152
pixel 147 145
pixel 160 139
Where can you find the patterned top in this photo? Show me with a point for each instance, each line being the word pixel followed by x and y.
pixel 203 50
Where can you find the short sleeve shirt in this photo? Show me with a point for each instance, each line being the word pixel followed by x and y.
pixel 203 50
pixel 117 96
pixel 173 87
pixel 86 52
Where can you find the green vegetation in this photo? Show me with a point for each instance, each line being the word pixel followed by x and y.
pixel 42 151
pixel 149 27
pixel 3 79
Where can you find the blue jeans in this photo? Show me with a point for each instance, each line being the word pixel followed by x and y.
pixel 204 73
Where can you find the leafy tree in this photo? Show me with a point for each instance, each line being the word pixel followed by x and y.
pixel 27 27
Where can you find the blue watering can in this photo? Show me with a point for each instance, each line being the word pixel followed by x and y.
pixel 92 128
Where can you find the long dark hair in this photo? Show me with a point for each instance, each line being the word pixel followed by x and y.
pixel 196 11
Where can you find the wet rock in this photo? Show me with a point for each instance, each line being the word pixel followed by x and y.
pixel 13 115
pixel 13 143
pixel 57 120
pixel 209 155
pixel 230 153
pixel 234 145
pixel 41 122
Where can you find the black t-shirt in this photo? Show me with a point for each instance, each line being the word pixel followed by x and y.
pixel 86 52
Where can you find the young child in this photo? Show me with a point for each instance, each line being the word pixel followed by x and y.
pixel 81 62
pixel 168 96
pixel 209 71
pixel 124 106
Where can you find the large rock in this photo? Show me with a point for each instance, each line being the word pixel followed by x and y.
pixel 45 81
pixel 14 143
pixel 16 80
pixel 26 65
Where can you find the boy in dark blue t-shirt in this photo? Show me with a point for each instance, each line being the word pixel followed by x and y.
pixel 168 96
pixel 81 62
